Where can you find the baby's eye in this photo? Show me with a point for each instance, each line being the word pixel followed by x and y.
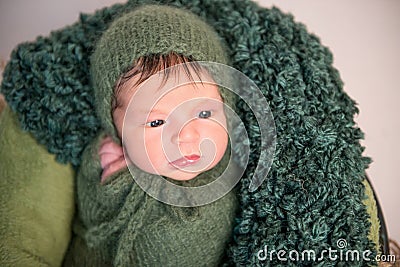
pixel 155 123
pixel 205 114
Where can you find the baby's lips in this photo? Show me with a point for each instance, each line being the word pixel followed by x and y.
pixel 192 157
pixel 185 161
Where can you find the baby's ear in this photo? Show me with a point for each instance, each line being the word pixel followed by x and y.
pixel 36 196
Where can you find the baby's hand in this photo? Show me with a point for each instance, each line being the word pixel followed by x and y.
pixel 111 157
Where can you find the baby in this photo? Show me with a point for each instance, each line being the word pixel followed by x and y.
pixel 161 106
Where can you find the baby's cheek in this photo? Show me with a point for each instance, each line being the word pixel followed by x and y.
pixel 222 143
pixel 154 153
pixel 219 137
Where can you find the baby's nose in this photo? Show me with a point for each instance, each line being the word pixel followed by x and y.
pixel 189 133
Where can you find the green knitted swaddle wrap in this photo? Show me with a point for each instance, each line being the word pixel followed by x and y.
pixel 120 225
pixel 313 194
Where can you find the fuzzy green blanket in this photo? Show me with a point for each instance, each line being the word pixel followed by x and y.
pixel 313 195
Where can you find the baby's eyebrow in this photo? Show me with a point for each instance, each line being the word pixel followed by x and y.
pixel 199 103
pixel 211 101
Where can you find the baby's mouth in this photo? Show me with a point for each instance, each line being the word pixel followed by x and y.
pixel 185 161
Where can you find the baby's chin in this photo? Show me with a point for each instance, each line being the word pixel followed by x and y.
pixel 188 174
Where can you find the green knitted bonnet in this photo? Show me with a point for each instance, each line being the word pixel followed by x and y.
pixel 147 30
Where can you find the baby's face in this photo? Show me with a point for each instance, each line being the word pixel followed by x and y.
pixel 177 130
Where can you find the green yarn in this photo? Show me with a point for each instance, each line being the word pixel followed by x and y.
pixel 313 193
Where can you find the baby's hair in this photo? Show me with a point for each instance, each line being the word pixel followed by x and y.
pixel 146 66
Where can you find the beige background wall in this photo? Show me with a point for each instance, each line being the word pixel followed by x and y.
pixel 364 36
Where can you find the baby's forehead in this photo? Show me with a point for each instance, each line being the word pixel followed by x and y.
pixel 167 80
pixel 178 90
pixel 184 97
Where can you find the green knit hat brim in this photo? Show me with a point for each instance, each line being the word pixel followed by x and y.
pixel 147 30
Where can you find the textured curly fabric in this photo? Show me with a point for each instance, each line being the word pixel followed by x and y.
pixel 314 191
